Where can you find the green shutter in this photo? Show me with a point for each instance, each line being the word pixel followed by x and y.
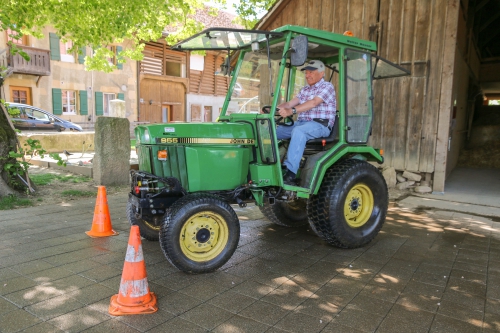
pixel 55 52
pixel 99 104
pixel 84 109
pixel 81 54
pixel 118 51
pixel 121 96
pixel 56 101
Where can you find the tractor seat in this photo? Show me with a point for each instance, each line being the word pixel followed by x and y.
pixel 319 143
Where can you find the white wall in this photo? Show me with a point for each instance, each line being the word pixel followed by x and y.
pixel 216 102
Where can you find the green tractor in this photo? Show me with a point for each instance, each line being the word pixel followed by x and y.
pixel 191 173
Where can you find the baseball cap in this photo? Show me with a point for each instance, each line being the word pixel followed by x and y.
pixel 313 65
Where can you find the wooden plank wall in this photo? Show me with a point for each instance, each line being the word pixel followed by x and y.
pixel 206 82
pixel 408 32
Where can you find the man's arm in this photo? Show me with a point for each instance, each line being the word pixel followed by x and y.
pixel 290 104
pixel 286 110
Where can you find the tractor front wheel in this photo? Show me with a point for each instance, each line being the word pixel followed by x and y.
pixel 351 205
pixel 287 214
pixel 200 233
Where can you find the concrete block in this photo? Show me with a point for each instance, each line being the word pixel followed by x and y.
pixel 423 189
pixel 412 176
pixel 111 162
pixel 390 177
pixel 400 178
pixel 402 186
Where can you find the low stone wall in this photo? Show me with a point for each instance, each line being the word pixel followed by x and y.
pixel 57 142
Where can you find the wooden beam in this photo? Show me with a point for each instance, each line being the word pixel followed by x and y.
pixel 489 21
pixel 446 98
pixel 481 5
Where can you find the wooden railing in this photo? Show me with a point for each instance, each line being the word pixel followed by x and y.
pixel 39 63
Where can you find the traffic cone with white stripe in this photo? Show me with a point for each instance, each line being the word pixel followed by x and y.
pixel 134 296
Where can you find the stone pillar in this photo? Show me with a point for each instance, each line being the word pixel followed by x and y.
pixel 111 164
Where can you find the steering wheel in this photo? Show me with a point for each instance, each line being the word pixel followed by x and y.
pixel 279 119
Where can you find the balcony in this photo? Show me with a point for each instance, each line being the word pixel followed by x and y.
pixel 39 63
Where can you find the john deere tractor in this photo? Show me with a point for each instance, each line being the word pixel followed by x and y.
pixel 191 173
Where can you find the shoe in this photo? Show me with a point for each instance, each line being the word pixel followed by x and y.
pixel 290 178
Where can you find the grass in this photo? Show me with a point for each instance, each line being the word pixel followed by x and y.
pixel 12 201
pixel 78 193
pixel 48 178
pixel 132 143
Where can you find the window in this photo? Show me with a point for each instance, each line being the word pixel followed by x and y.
pixel 208 114
pixel 69 101
pixel 107 98
pixel 11 37
pixel 20 95
pixel 112 60
pixel 66 55
pixel 116 52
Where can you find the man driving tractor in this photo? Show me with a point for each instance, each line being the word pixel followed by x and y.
pixel 315 105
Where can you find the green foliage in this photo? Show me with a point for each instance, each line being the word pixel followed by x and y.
pixel 78 193
pixel 15 165
pixel 12 201
pixel 98 23
pixel 248 11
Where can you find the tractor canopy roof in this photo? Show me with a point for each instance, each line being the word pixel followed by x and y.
pixel 235 39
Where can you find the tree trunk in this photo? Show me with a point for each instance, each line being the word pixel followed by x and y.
pixel 8 142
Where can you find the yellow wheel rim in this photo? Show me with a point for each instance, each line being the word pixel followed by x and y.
pixel 358 205
pixel 152 226
pixel 204 236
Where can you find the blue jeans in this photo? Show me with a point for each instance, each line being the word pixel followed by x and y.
pixel 300 132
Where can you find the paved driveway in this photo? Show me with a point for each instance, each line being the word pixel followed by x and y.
pixel 427 271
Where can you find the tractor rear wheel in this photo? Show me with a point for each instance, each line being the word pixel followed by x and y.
pixel 350 207
pixel 148 230
pixel 287 214
pixel 199 233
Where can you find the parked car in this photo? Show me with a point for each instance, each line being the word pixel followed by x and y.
pixel 32 118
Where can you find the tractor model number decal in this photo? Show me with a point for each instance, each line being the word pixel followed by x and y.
pixel 206 140
pixel 168 140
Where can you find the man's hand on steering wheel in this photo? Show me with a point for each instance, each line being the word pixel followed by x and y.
pixel 279 117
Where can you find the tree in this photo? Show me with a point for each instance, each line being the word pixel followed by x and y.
pixel 249 11
pixel 97 23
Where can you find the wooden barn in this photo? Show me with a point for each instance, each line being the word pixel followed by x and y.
pixel 422 121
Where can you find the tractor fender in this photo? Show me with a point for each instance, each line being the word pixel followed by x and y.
pixel 335 155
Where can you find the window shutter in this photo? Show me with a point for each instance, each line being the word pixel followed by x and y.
pixel 82 54
pixel 121 96
pixel 55 52
pixel 99 104
pixel 84 109
pixel 118 51
pixel 56 101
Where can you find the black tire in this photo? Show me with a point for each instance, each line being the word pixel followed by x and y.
pixel 287 214
pixel 215 231
pixel 148 230
pixel 351 205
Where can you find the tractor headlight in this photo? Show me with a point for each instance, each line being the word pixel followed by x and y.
pixel 146 136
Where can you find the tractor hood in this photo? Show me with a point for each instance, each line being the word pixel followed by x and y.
pixel 196 133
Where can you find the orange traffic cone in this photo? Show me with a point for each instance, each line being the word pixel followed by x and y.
pixel 101 225
pixel 134 296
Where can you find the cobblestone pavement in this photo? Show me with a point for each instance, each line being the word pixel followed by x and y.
pixel 427 271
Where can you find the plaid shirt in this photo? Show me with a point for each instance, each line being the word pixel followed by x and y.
pixel 325 110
